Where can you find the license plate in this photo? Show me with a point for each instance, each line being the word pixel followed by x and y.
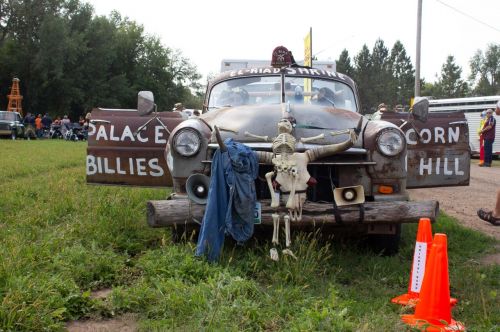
pixel 257 213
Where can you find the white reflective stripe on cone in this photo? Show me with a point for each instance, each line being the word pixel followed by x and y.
pixel 418 269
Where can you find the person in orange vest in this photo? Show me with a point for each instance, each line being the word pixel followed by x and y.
pixel 38 125
pixel 481 139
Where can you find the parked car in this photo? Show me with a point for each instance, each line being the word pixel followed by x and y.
pixel 11 124
pixel 362 190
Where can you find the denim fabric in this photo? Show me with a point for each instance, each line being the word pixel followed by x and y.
pixel 231 199
pixel 488 151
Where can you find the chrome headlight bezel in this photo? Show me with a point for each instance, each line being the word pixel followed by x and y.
pixel 195 142
pixel 390 142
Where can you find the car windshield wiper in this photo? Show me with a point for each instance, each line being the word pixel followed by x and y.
pixel 330 101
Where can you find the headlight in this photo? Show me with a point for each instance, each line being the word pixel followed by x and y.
pixel 390 142
pixel 187 142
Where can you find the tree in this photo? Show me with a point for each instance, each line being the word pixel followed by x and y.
pixel 5 19
pixel 485 71
pixel 427 89
pixel 344 64
pixel 450 84
pixel 381 73
pixel 402 83
pixel 363 76
pixel 70 61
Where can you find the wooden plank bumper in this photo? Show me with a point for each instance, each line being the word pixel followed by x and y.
pixel 183 211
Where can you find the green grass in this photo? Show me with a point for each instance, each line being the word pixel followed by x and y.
pixel 61 239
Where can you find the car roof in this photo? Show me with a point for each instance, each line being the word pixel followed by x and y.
pixel 9 112
pixel 290 71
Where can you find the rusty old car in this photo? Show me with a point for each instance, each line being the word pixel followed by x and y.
pixel 362 190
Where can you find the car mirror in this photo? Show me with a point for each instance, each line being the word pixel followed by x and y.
pixel 420 109
pixel 145 103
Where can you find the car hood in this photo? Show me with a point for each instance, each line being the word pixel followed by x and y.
pixel 312 120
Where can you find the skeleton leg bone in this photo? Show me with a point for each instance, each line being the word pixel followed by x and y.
pixel 300 199
pixel 276 230
pixel 287 231
pixel 291 202
pixel 274 254
pixel 288 240
pixel 289 253
pixel 276 224
pixel 274 200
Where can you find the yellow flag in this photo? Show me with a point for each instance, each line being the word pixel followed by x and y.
pixel 308 63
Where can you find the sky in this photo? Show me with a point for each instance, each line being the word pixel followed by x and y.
pixel 206 32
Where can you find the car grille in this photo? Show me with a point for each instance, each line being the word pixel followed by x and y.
pixel 326 171
pixel 4 126
pixel 325 175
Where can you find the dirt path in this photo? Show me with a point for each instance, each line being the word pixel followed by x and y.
pixel 126 323
pixel 463 202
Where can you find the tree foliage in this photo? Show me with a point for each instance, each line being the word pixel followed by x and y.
pixel 450 84
pixel 69 60
pixel 381 72
pixel 402 79
pixel 363 75
pixel 344 64
pixel 383 75
pixel 485 71
pixel 388 77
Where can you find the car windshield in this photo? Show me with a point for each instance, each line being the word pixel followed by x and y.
pixel 267 90
pixel 8 116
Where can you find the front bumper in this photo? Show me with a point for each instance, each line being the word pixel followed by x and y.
pixel 181 210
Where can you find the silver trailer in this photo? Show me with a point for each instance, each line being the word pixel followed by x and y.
pixel 472 108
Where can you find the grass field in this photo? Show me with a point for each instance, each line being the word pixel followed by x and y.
pixel 60 239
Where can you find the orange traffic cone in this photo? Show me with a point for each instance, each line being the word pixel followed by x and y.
pixel 433 310
pixel 420 255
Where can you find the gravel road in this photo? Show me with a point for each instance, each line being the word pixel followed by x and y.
pixel 463 202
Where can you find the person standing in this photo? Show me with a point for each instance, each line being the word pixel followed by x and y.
pixel 46 121
pixel 481 139
pixel 38 125
pixel 488 133
pixel 179 108
pixel 87 120
pixel 29 124
pixel 65 125
pixel 381 108
pixel 398 108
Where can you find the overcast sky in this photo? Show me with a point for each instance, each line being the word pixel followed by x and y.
pixel 208 31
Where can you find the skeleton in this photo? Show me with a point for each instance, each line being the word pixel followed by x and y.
pixel 290 172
